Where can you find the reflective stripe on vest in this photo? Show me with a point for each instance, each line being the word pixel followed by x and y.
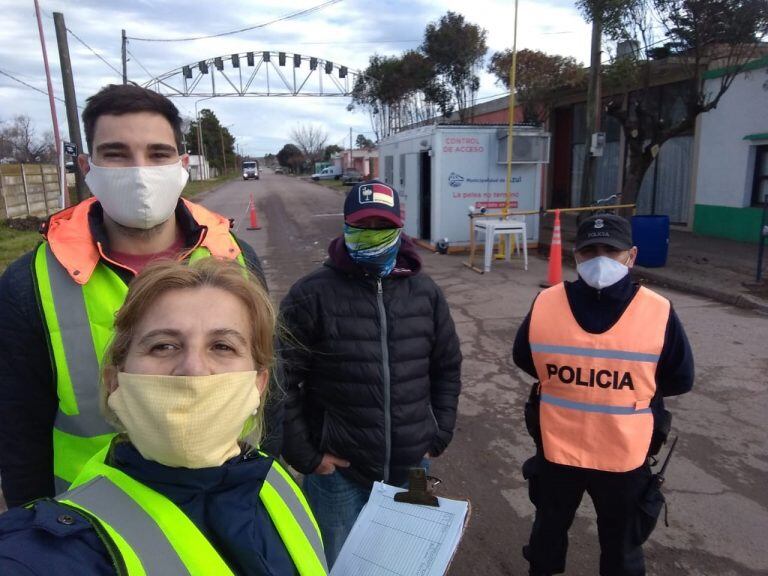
pixel 79 323
pixel 294 521
pixel 596 389
pixel 152 536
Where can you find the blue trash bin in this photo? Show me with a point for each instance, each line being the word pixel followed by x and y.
pixel 651 236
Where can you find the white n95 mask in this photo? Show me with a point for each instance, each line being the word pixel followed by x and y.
pixel 139 196
pixel 602 271
pixel 186 421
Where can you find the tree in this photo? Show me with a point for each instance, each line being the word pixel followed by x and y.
pixel 214 135
pixel 290 157
pixel 331 150
pixel 455 49
pixel 698 33
pixel 310 139
pixel 364 143
pixel 537 76
pixel 19 141
pixel 394 91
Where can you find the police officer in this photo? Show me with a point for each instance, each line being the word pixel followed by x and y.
pixel 606 351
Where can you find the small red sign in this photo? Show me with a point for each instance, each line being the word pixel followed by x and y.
pixel 512 204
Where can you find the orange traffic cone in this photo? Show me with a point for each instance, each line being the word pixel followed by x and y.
pixel 254 217
pixel 555 272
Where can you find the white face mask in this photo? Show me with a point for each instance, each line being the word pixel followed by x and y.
pixel 186 421
pixel 602 271
pixel 139 196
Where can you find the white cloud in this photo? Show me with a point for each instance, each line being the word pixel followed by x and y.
pixel 347 33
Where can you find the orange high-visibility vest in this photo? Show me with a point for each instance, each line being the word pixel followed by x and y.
pixel 596 389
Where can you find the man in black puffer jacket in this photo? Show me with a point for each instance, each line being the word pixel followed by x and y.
pixel 372 365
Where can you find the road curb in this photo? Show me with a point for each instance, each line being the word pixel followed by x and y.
pixel 738 299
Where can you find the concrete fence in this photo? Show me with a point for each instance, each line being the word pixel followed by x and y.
pixel 28 190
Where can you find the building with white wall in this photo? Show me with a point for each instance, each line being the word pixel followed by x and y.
pixel 440 171
pixel 731 181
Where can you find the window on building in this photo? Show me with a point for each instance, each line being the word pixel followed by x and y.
pixel 760 186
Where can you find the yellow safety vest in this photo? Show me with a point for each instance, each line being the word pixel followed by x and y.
pixel 148 535
pixel 79 320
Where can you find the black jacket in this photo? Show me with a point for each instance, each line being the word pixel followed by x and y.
pixel 598 310
pixel 28 400
pixel 372 368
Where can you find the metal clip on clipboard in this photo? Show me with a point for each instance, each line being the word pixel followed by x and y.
pixel 419 491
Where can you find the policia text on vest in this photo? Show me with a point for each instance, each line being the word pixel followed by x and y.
pixel 611 379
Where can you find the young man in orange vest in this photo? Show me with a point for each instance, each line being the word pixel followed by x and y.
pixel 606 351
pixel 136 170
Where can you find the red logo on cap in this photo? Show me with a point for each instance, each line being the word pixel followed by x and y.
pixel 377 193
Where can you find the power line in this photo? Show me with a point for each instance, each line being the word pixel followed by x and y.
pixel 119 73
pixel 76 37
pixel 140 64
pixel 286 17
pixel 35 88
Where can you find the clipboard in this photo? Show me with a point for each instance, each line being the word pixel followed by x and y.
pixel 403 539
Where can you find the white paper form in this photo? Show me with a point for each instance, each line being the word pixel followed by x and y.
pixel 399 539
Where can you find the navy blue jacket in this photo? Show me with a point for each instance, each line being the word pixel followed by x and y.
pixel 28 400
pixel 223 503
pixel 598 310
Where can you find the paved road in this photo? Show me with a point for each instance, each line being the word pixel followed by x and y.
pixel 717 481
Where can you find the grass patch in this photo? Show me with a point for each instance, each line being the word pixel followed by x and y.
pixel 14 243
pixel 337 184
pixel 196 187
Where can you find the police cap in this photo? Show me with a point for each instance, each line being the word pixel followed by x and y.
pixel 608 229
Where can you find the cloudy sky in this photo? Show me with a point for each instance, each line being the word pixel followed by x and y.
pixel 347 32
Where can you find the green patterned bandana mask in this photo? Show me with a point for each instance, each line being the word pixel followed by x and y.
pixel 374 250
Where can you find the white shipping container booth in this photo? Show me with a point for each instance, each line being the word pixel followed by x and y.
pixel 440 171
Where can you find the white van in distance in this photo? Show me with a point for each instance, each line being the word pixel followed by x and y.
pixel 328 173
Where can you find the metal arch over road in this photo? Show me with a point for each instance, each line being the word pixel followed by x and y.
pixel 258 74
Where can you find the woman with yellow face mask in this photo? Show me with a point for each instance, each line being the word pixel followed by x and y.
pixel 182 489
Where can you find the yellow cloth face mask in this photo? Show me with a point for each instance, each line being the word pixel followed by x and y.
pixel 186 421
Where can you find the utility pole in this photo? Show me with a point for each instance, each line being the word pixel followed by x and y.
pixel 70 99
pixel 593 110
pixel 351 164
pixel 223 152
pixel 54 118
pixel 125 58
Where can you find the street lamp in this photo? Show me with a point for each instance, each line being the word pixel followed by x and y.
pixel 203 173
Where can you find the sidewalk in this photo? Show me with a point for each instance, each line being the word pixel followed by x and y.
pixel 720 269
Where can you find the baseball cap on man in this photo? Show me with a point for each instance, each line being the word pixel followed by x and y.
pixel 609 229
pixel 372 198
